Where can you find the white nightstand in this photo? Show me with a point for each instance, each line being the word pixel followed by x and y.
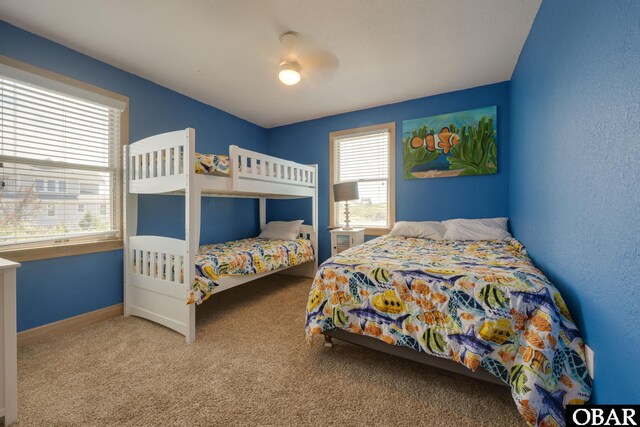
pixel 345 239
pixel 8 340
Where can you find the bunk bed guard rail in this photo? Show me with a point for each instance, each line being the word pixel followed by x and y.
pixel 162 164
pixel 247 164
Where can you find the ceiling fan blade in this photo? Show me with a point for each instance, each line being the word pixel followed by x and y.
pixel 319 67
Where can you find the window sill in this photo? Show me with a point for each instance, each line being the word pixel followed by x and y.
pixel 60 250
pixel 376 231
pixel 367 231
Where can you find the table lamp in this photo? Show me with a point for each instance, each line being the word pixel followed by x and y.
pixel 343 192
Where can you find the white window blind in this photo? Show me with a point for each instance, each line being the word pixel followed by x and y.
pixel 59 166
pixel 364 158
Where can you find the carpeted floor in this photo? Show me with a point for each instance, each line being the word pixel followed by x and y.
pixel 250 365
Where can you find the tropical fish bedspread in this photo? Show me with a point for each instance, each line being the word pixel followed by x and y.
pixel 243 257
pixel 479 303
pixel 215 164
pixel 212 164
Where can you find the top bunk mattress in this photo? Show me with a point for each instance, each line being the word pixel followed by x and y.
pixel 245 257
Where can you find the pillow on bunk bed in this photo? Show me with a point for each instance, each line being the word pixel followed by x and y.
pixel 419 229
pixel 476 229
pixel 212 164
pixel 281 230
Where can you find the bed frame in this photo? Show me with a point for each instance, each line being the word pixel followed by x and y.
pixel 409 354
pixel 164 164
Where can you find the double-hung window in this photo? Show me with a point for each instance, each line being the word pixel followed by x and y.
pixel 58 139
pixel 366 156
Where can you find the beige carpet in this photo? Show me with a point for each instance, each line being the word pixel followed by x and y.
pixel 250 365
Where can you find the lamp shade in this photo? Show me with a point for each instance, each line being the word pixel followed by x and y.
pixel 345 191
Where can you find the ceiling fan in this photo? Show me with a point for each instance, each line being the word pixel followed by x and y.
pixel 301 56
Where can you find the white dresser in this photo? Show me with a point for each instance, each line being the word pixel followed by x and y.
pixel 8 344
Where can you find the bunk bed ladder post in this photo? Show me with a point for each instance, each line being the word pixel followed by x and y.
pixel 236 165
pixel 130 222
pixel 263 212
pixel 192 200
pixel 314 213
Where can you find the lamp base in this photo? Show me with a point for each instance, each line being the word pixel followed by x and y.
pixel 346 216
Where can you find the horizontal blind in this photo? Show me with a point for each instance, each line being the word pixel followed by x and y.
pixel 364 158
pixel 59 168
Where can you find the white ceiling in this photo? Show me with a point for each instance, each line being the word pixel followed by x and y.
pixel 354 53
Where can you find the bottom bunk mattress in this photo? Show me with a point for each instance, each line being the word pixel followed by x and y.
pixel 479 303
pixel 245 257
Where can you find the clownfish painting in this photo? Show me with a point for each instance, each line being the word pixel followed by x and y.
pixel 442 141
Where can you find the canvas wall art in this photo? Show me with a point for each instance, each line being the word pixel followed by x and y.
pixel 455 144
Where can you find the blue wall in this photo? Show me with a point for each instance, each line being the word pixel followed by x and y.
pixel 425 199
pixel 54 289
pixel 574 174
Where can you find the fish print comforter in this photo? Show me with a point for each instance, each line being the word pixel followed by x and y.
pixel 212 164
pixel 479 303
pixel 242 257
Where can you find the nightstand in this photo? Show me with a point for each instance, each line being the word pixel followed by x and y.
pixel 345 239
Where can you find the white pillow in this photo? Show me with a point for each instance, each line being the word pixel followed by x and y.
pixel 281 230
pixel 419 229
pixel 476 229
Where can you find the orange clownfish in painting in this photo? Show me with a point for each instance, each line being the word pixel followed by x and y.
pixel 443 140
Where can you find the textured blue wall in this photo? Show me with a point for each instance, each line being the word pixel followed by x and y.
pixel 425 199
pixel 54 289
pixel 574 174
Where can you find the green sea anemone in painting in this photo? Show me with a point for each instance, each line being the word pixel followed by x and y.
pixel 413 157
pixel 477 152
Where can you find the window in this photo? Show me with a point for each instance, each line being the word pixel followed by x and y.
pixel 9 185
pixel 57 137
pixel 365 155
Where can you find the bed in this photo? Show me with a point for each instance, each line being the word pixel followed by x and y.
pixel 481 304
pixel 245 257
pixel 162 274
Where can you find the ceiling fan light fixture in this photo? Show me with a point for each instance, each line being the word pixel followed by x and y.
pixel 289 72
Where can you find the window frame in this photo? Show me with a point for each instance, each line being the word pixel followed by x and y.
pixel 81 245
pixel 391 194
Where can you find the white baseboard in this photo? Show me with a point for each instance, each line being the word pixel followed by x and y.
pixel 36 334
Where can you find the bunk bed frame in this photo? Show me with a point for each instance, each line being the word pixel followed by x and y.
pixel 154 288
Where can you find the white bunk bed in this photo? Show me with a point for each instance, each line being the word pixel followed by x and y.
pixel 164 164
